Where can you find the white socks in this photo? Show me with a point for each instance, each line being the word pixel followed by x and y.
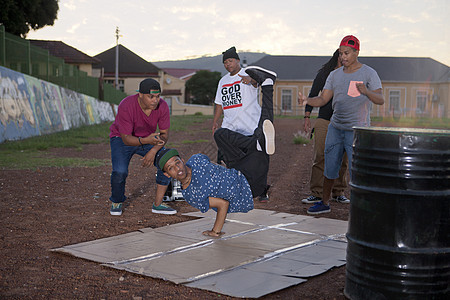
pixel 258 146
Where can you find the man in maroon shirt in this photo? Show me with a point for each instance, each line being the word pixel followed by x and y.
pixel 134 132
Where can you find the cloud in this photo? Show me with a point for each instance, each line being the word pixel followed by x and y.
pixel 188 11
pixel 402 18
pixel 157 27
pixel 111 18
pixel 415 34
pixel 73 28
pixel 183 28
pixel 339 33
pixel 219 34
pixel 245 19
pixel 70 5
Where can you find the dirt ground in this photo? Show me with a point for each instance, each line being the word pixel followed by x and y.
pixel 53 207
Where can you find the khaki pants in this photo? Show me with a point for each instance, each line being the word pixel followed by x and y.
pixel 316 183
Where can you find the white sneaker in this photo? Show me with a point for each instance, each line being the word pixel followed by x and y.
pixel 269 135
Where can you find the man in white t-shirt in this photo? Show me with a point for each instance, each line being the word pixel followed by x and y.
pixel 238 101
pixel 237 98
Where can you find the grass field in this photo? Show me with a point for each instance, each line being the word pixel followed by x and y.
pixel 33 153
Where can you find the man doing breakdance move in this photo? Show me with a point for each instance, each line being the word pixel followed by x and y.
pixel 208 185
pixel 237 99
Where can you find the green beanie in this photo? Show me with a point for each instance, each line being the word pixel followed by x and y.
pixel 164 155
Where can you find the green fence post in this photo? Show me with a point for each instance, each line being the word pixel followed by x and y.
pixel 48 65
pixel 3 46
pixel 29 58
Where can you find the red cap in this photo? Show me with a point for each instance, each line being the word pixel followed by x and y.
pixel 350 41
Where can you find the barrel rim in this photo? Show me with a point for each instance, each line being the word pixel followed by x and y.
pixel 403 130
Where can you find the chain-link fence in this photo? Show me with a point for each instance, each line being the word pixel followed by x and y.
pixel 18 54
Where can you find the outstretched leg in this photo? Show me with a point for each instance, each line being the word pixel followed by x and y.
pixel 255 165
pixel 265 132
pixel 235 146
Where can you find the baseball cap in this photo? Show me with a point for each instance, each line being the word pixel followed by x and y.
pixel 350 41
pixel 149 84
pixel 164 155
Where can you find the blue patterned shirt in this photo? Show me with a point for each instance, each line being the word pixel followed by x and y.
pixel 211 180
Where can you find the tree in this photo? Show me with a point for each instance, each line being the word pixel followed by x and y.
pixel 20 16
pixel 202 86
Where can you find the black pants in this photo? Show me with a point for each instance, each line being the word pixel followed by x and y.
pixel 239 151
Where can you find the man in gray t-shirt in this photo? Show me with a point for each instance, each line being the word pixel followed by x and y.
pixel 353 87
pixel 351 110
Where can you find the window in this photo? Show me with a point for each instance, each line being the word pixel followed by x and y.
pixel 421 97
pixel 55 70
pixel 113 83
pixel 394 101
pixel 168 99
pixel 286 100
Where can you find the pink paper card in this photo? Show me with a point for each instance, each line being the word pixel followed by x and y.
pixel 353 90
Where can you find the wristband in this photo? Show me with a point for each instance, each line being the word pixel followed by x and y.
pixel 139 138
pixel 306 117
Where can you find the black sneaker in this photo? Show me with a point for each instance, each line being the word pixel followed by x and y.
pixel 311 199
pixel 264 197
pixel 259 74
pixel 342 199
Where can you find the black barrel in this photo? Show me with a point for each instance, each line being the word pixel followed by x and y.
pixel 399 226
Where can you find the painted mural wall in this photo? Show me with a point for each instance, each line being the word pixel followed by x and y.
pixel 30 107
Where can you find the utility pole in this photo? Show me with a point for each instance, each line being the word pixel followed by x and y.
pixel 117 58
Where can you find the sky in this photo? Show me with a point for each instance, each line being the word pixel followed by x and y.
pixel 177 30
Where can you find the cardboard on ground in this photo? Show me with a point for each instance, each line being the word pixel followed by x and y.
pixel 261 252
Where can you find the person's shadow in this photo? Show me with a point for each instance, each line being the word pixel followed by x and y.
pixel 140 191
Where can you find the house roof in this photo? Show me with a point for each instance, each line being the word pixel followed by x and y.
pixel 70 54
pixel 180 73
pixel 211 63
pixel 130 64
pixel 398 69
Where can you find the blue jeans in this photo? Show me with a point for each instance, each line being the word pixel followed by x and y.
pixel 336 143
pixel 121 155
